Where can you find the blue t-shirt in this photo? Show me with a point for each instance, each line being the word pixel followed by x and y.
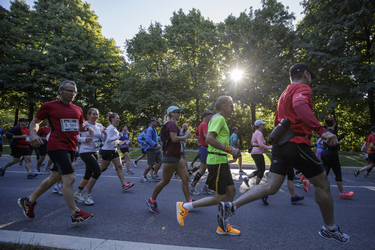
pixel 233 138
pixel 125 138
pixel 1 135
pixel 319 148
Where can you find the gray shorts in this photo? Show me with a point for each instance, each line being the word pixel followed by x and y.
pixel 153 156
pixel 170 159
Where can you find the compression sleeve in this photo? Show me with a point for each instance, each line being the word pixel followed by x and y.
pixel 304 112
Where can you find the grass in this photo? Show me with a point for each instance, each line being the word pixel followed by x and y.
pixel 346 158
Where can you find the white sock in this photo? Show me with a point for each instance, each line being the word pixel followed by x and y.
pixel 188 205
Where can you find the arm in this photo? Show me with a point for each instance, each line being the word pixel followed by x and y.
pixel 260 139
pixel 304 112
pixel 111 136
pixel 372 145
pixel 211 140
pixel 175 138
pixel 149 139
pixel 35 140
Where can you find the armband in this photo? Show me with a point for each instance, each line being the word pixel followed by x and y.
pixel 228 149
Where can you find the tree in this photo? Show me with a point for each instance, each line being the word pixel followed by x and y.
pixel 338 39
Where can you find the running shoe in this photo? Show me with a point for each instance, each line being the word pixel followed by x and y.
pixel 31 175
pixel 246 181
pixel 207 190
pixel 127 185
pixel 28 209
pixel 153 206
pixel 356 173
pixel 2 172
pixel 181 213
pixel 265 200
pixel 37 171
pixel 242 172
pixel 366 175
pixel 299 184
pixel 129 172
pixel 296 199
pixel 78 197
pixel 192 191
pixel 226 211
pixel 88 199
pixel 176 176
pixel 144 179
pixel 81 216
pixel 336 235
pixel 151 172
pixel 306 185
pixel 156 178
pixel 230 231
pixel 57 189
pixel 346 194
pixel 47 171
pixel 135 163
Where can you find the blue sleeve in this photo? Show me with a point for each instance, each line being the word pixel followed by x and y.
pixel 150 135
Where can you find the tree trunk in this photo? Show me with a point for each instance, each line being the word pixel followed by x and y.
pixel 371 106
pixel 16 116
pixel 31 111
pixel 197 109
pixel 252 110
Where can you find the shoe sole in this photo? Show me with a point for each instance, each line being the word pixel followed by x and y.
pixel 155 212
pixel 225 233
pixel 23 210
pixel 128 187
pixel 76 222
pixel 331 238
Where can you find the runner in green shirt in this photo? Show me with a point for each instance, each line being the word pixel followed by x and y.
pixel 220 177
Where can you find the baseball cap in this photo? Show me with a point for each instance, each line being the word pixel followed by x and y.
pixel 23 120
pixel 144 128
pixel 258 122
pixel 372 129
pixel 207 112
pixel 154 119
pixel 173 108
pixel 300 67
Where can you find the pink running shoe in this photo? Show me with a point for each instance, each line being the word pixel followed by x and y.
pixel 306 185
pixel 346 194
pixel 127 185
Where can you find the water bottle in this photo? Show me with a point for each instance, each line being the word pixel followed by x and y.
pixel 280 131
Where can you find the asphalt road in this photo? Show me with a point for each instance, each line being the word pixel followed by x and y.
pixel 124 216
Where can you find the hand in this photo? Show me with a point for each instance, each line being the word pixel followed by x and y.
pixel 24 136
pixel 104 132
pixel 158 145
pixel 121 142
pixel 330 139
pixel 90 130
pixel 187 135
pixel 88 139
pixel 144 143
pixel 35 140
pixel 235 152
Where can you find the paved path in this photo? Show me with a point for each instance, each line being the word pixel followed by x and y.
pixel 123 221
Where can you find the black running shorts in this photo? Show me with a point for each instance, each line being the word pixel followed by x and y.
pixel 62 161
pixel 219 177
pixel 299 156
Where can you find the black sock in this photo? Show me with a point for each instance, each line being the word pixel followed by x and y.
pixel 197 177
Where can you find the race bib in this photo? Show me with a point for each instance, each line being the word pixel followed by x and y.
pixel 69 125
pixel 96 142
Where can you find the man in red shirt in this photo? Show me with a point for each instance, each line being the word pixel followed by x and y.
pixel 370 151
pixel 295 103
pixel 201 134
pixel 20 136
pixel 43 132
pixel 66 120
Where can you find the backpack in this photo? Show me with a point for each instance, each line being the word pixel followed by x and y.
pixel 163 136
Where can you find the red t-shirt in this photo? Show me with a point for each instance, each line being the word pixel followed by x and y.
pixel 370 139
pixel 43 132
pixel 200 132
pixel 65 122
pixel 172 149
pixel 296 93
pixel 23 143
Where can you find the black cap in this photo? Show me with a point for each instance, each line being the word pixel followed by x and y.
pixel 300 67
pixel 372 129
pixel 144 128
pixel 207 112
pixel 23 120
pixel 154 119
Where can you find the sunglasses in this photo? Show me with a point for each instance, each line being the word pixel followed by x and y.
pixel 177 112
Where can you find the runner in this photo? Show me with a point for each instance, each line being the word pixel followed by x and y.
pixel 142 139
pixel 220 177
pixel 110 153
pixel 90 144
pixel 124 147
pixel 201 133
pixel 295 104
pixel 172 158
pixel 235 143
pixel 370 151
pixel 66 120
pixel 2 136
pixel 20 147
pixel 330 159
pixel 154 160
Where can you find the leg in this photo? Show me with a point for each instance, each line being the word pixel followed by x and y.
pixel 118 167
pixel 10 163
pixel 27 159
pixel 168 171
pixel 181 171
pixel 40 162
pixel 45 185
pixel 127 161
pixel 68 192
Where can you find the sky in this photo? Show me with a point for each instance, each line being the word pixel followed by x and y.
pixel 121 19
